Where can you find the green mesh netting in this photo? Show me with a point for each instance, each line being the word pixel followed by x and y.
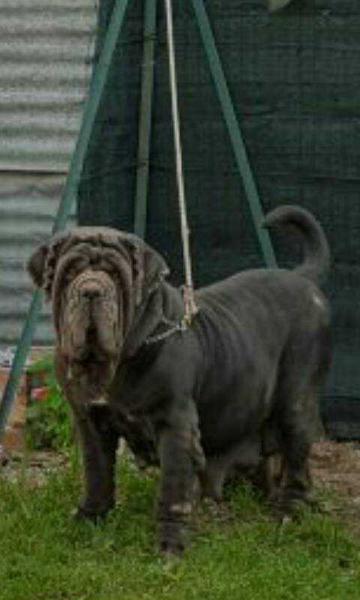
pixel 294 79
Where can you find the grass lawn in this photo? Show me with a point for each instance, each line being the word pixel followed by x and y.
pixel 44 555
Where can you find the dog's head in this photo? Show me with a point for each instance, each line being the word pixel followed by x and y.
pixel 96 279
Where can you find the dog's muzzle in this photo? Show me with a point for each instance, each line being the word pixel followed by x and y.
pixel 91 315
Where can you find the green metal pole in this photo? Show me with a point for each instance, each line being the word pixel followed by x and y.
pixel 68 197
pixel 147 87
pixel 91 109
pixel 234 130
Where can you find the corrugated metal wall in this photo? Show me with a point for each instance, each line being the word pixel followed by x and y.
pixel 45 62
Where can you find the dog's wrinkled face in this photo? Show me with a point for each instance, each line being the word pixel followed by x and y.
pixel 91 317
pixel 96 279
pixel 93 294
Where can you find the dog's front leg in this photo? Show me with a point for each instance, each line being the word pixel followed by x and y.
pixel 181 460
pixel 99 443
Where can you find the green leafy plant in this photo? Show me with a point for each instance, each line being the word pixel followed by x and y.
pixel 48 424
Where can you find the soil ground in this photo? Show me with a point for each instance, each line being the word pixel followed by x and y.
pixel 335 470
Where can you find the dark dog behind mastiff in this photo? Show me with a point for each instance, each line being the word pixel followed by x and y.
pixel 226 393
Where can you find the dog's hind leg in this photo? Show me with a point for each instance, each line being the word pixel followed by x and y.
pixel 296 483
pixel 268 477
pixel 236 465
pixel 298 418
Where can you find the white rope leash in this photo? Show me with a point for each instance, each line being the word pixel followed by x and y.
pixel 189 300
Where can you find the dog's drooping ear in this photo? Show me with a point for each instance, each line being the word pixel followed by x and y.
pixel 149 267
pixel 36 265
pixel 41 264
pixel 155 267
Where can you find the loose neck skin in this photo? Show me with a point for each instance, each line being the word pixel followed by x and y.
pixel 165 303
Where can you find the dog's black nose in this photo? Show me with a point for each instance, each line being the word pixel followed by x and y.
pixel 91 292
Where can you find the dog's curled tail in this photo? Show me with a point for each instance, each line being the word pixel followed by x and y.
pixel 316 248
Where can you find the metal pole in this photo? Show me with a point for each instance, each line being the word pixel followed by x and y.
pixel 234 131
pixel 90 112
pixel 68 197
pixel 147 88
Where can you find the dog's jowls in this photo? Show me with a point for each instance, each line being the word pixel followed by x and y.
pixel 223 396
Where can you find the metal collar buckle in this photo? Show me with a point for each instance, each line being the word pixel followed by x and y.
pixel 174 327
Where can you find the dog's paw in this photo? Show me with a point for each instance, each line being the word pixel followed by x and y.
pixel 172 540
pixel 171 550
pixel 293 509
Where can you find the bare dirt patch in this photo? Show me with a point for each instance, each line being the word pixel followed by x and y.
pixel 336 469
pixel 34 467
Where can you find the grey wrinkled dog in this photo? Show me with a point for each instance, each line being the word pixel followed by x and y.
pixel 225 394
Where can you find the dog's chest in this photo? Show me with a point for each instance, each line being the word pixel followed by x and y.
pixel 139 434
pixel 134 418
pixel 133 395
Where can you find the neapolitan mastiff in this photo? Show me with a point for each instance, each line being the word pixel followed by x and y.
pixel 225 394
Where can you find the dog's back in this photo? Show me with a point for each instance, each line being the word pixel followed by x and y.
pixel 255 315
